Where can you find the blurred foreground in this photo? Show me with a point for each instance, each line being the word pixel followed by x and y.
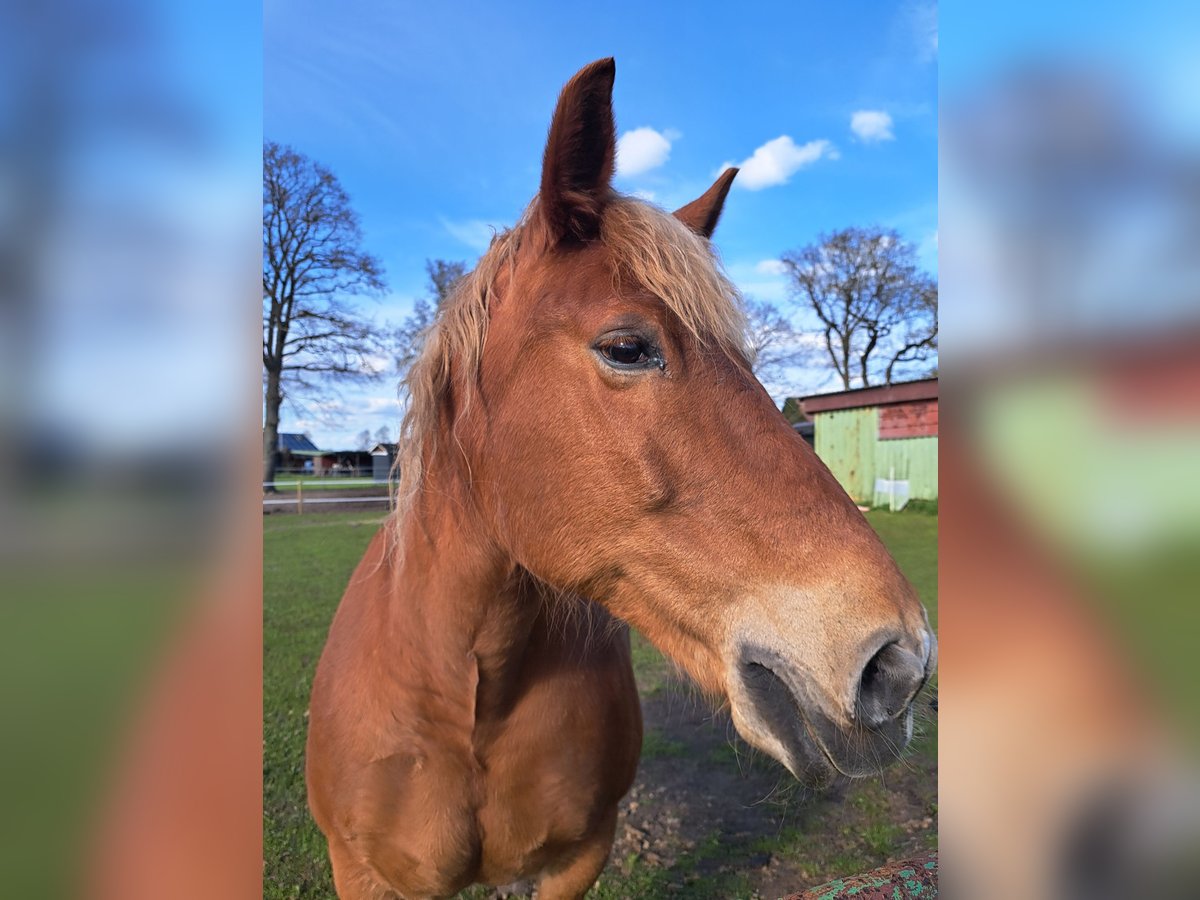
pixel 1070 468
pixel 130 626
pixel 130 161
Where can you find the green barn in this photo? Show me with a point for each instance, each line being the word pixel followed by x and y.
pixel 880 442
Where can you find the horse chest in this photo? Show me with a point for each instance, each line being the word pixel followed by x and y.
pixel 553 777
pixel 543 782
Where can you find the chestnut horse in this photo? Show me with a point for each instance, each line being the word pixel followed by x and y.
pixel 586 446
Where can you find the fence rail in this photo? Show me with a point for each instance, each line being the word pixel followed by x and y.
pixel 325 484
pixel 298 499
pixel 311 500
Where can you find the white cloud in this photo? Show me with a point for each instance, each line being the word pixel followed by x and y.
pixel 646 195
pixel 377 364
pixel 644 149
pixel 872 125
pixel 924 23
pixel 761 279
pixel 381 405
pixel 771 267
pixel 775 161
pixel 475 233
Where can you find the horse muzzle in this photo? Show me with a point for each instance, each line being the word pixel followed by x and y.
pixel 782 709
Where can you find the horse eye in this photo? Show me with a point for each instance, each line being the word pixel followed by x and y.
pixel 625 351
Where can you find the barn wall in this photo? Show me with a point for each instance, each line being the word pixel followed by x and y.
pixel 914 460
pixel 918 418
pixel 847 440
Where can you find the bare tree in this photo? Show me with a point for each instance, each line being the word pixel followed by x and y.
pixel 917 334
pixel 776 343
pixel 443 276
pixel 363 440
pixel 877 310
pixel 383 435
pixel 312 262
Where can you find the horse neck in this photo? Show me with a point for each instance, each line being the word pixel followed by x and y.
pixel 463 607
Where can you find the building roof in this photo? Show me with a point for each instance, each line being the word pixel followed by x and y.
pixel 905 392
pixel 296 443
pixel 384 449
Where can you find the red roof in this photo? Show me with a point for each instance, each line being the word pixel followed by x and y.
pixel 905 392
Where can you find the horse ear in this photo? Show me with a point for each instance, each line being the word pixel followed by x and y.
pixel 701 214
pixel 580 152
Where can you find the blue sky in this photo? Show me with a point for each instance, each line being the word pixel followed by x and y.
pixel 434 119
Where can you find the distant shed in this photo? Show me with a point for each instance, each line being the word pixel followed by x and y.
pixel 383 455
pixel 879 434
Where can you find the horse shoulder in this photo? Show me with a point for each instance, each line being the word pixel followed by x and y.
pixel 344 710
pixel 569 749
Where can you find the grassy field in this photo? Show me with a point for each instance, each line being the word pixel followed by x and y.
pixel 307 562
pixel 290 480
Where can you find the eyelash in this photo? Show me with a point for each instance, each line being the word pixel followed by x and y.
pixel 617 349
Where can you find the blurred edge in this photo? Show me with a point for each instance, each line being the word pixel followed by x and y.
pixel 1070 467
pixel 129 626
pixel 130 539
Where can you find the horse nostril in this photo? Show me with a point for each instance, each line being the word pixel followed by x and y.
pixel 889 680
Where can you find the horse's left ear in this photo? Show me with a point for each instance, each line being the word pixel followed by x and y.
pixel 581 150
pixel 701 214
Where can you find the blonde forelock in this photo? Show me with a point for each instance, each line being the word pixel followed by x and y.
pixel 649 247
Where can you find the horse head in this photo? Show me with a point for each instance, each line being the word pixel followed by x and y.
pixel 590 382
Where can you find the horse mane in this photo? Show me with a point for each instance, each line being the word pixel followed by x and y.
pixel 650 248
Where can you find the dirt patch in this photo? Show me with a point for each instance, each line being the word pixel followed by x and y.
pixel 708 817
pixel 705 805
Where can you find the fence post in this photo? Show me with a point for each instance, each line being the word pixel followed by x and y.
pixel 299 497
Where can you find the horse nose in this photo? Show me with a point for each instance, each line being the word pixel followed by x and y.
pixel 890 679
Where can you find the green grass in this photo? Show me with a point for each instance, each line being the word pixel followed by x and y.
pixel 881 837
pixel 911 537
pixel 330 483
pixel 651 668
pixel 81 648
pixel 307 561
pixel 865 839
pixel 636 879
pixel 656 745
